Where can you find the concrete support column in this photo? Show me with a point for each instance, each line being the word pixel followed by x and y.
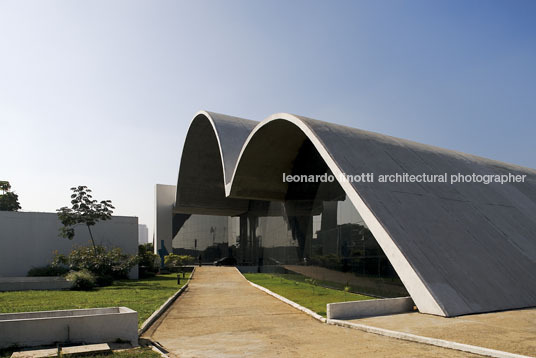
pixel 243 240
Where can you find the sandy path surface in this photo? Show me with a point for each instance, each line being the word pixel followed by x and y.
pixel 222 315
pixel 510 331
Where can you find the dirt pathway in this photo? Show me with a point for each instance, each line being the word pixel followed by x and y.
pixel 222 315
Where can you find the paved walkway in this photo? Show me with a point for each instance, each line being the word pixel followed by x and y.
pixel 222 315
pixel 510 331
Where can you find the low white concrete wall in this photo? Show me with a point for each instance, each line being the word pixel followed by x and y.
pixel 28 239
pixel 367 308
pixel 97 325
pixel 33 283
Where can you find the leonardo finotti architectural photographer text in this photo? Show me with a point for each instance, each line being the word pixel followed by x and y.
pixel 407 178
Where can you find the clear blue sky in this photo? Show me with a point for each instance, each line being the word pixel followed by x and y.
pixel 101 93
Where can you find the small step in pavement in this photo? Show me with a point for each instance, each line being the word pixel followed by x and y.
pixel 36 353
pixel 87 349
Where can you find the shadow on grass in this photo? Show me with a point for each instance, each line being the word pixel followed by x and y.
pixel 140 286
pixel 7 352
pixel 153 283
pixel 153 279
pixel 161 278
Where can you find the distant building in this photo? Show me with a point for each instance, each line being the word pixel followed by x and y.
pixel 143 234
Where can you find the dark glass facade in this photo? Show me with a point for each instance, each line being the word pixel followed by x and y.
pixel 316 232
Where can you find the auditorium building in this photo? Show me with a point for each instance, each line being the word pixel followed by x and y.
pixel 456 247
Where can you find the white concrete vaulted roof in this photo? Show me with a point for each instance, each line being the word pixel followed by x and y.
pixel 458 249
pixel 210 151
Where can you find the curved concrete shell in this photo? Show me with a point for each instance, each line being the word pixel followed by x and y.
pixel 209 155
pixel 458 248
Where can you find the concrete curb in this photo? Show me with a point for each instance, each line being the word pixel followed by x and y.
pixel 291 303
pixel 487 352
pixel 286 300
pixel 156 314
pixel 427 340
pixel 155 347
pixel 162 354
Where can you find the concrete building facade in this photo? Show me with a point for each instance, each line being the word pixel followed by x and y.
pixel 143 234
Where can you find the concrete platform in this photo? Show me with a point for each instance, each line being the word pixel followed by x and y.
pixel 222 315
pixel 93 325
pixel 510 331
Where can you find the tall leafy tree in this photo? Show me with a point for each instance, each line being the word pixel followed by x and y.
pixel 84 210
pixel 9 201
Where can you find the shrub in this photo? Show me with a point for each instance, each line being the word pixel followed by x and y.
pixel 148 260
pixel 104 280
pixel 106 265
pixel 173 262
pixel 82 280
pixel 330 261
pixel 48 270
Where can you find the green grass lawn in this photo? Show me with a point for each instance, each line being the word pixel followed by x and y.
pixel 143 296
pixel 130 353
pixel 296 289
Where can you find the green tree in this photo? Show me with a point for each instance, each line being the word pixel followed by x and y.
pixel 9 201
pixel 5 186
pixel 148 261
pixel 84 210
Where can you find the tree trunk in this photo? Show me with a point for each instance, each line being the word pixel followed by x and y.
pixel 92 240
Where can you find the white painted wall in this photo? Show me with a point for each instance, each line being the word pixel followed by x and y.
pixel 28 239
pixel 164 201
